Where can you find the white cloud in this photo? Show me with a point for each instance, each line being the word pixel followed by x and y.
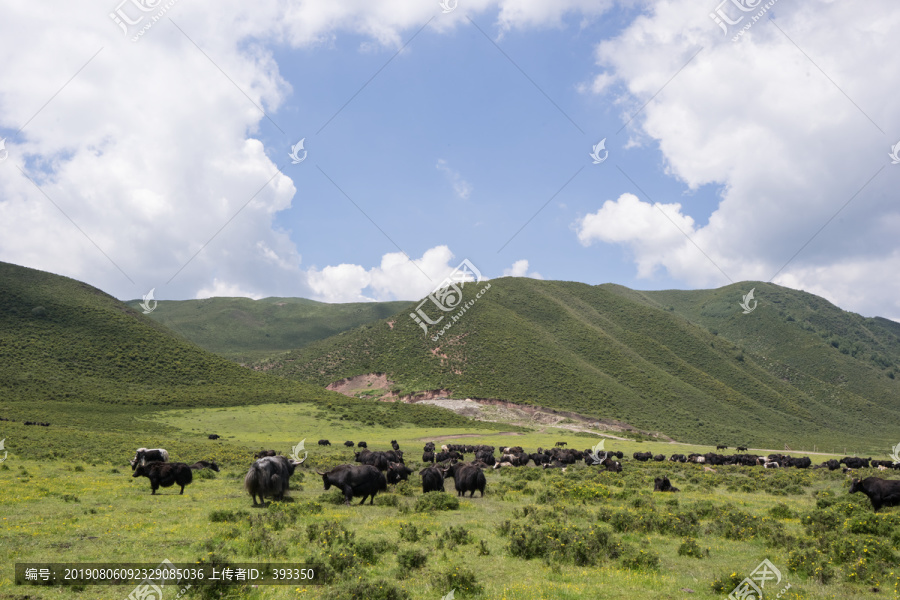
pixel 224 289
pixel 520 269
pixel 460 186
pixel 787 147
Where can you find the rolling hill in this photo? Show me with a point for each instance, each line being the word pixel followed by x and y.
pixel 243 330
pixel 84 361
pixel 688 364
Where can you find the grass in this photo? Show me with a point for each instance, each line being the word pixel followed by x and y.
pixel 619 354
pixel 622 545
pixel 243 330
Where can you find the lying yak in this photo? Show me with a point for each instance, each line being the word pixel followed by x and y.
pixel 881 492
pixel 355 480
pixel 205 464
pixel 467 478
pixel 269 476
pixel 663 485
pixel 165 474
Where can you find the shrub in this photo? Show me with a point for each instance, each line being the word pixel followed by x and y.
pixel 404 488
pixel 79 469
pixel 436 501
pixel 328 533
pixel 641 560
pixel 689 547
pixel 781 511
pixel 460 579
pixel 411 559
pixel 410 533
pixel 457 536
pixel 387 500
pixel 227 516
pixel 726 583
pixel 332 496
pixel 378 589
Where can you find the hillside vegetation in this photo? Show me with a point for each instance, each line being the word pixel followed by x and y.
pixel 79 359
pixel 647 360
pixel 243 329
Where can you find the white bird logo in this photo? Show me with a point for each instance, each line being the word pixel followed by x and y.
pixel 146 303
pixel 895 456
pixel 597 449
pixel 296 158
pixel 450 595
pixel 3 152
pixel 5 453
pixel 296 450
pixel 448 6
pixel 596 153
pixel 895 154
pixel 746 303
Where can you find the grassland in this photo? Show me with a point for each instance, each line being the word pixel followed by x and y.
pixel 244 330
pixel 537 534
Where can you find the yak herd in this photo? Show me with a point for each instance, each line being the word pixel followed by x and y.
pixel 270 473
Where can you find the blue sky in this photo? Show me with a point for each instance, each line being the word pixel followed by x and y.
pixel 132 163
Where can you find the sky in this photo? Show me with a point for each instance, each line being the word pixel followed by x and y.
pixel 347 151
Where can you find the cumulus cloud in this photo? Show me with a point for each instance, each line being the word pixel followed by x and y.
pixel 520 269
pixel 785 146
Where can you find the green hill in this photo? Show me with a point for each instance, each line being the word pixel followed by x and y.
pixel 610 352
pixel 78 358
pixel 244 330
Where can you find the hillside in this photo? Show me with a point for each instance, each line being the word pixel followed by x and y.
pixel 610 352
pixel 75 357
pixel 243 330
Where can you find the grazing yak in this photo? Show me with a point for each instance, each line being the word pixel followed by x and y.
pixel 853 462
pixel 213 436
pixel 642 456
pixel 205 464
pixel 348 443
pixel 144 456
pixel 662 484
pixel 721 447
pixel 324 443
pixel 659 457
pixel 881 492
pixel 355 480
pixel 164 474
pixel 395 445
pixel 264 453
pixel 362 445
pixel 742 449
pixel 397 472
pixel 428 456
pixel 468 478
pixel 432 479
pixel 269 476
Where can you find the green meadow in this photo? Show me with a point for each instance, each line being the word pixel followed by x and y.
pixel 537 533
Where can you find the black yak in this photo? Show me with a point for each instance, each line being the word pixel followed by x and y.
pixel 432 479
pixel 164 474
pixel 881 492
pixel 269 476
pixel 467 478
pixel 144 456
pixel 355 480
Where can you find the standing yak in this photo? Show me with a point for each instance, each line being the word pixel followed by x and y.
pixel 355 480
pixel 881 492
pixel 164 474
pixel 432 479
pixel 467 478
pixel 269 476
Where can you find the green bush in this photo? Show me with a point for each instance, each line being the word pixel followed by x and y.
pixel 387 500
pixel 411 559
pixel 328 533
pixel 410 533
pixel 690 547
pixel 227 516
pixel 782 511
pixel 436 501
pixel 457 536
pixel 460 579
pixel 641 560
pixel 378 589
